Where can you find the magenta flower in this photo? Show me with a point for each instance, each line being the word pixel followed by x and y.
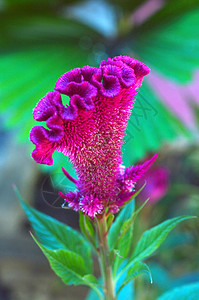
pixel 90 132
pixel 157 184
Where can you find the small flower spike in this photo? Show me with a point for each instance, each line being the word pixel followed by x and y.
pixel 90 132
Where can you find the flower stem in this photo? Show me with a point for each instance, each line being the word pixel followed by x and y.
pixel 104 259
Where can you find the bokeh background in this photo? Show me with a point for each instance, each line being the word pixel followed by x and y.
pixel 42 39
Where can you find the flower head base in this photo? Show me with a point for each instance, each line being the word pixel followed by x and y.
pixel 91 206
pixel 72 198
pixel 90 131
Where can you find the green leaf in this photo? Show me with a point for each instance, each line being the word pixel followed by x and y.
pixel 87 228
pixel 137 269
pixel 128 223
pixel 121 245
pixel 55 235
pixel 69 266
pixel 171 10
pixel 123 241
pixel 125 238
pixel 122 250
pixel 42 27
pixel 115 229
pixel 174 42
pixel 91 278
pixel 152 238
pixel 94 295
pixel 186 292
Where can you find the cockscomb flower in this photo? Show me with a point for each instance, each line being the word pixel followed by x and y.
pixel 90 132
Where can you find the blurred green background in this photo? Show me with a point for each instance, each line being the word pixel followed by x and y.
pixel 39 41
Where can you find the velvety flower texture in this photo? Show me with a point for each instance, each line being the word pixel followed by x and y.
pixel 90 132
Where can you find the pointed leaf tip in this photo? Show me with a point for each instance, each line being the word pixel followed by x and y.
pixel 152 238
pixel 56 235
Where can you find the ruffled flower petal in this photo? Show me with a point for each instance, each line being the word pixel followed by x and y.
pixel 138 67
pixel 45 141
pixel 48 106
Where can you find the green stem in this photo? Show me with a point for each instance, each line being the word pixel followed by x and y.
pixel 104 259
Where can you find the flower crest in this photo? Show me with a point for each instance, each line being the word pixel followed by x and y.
pixel 90 132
